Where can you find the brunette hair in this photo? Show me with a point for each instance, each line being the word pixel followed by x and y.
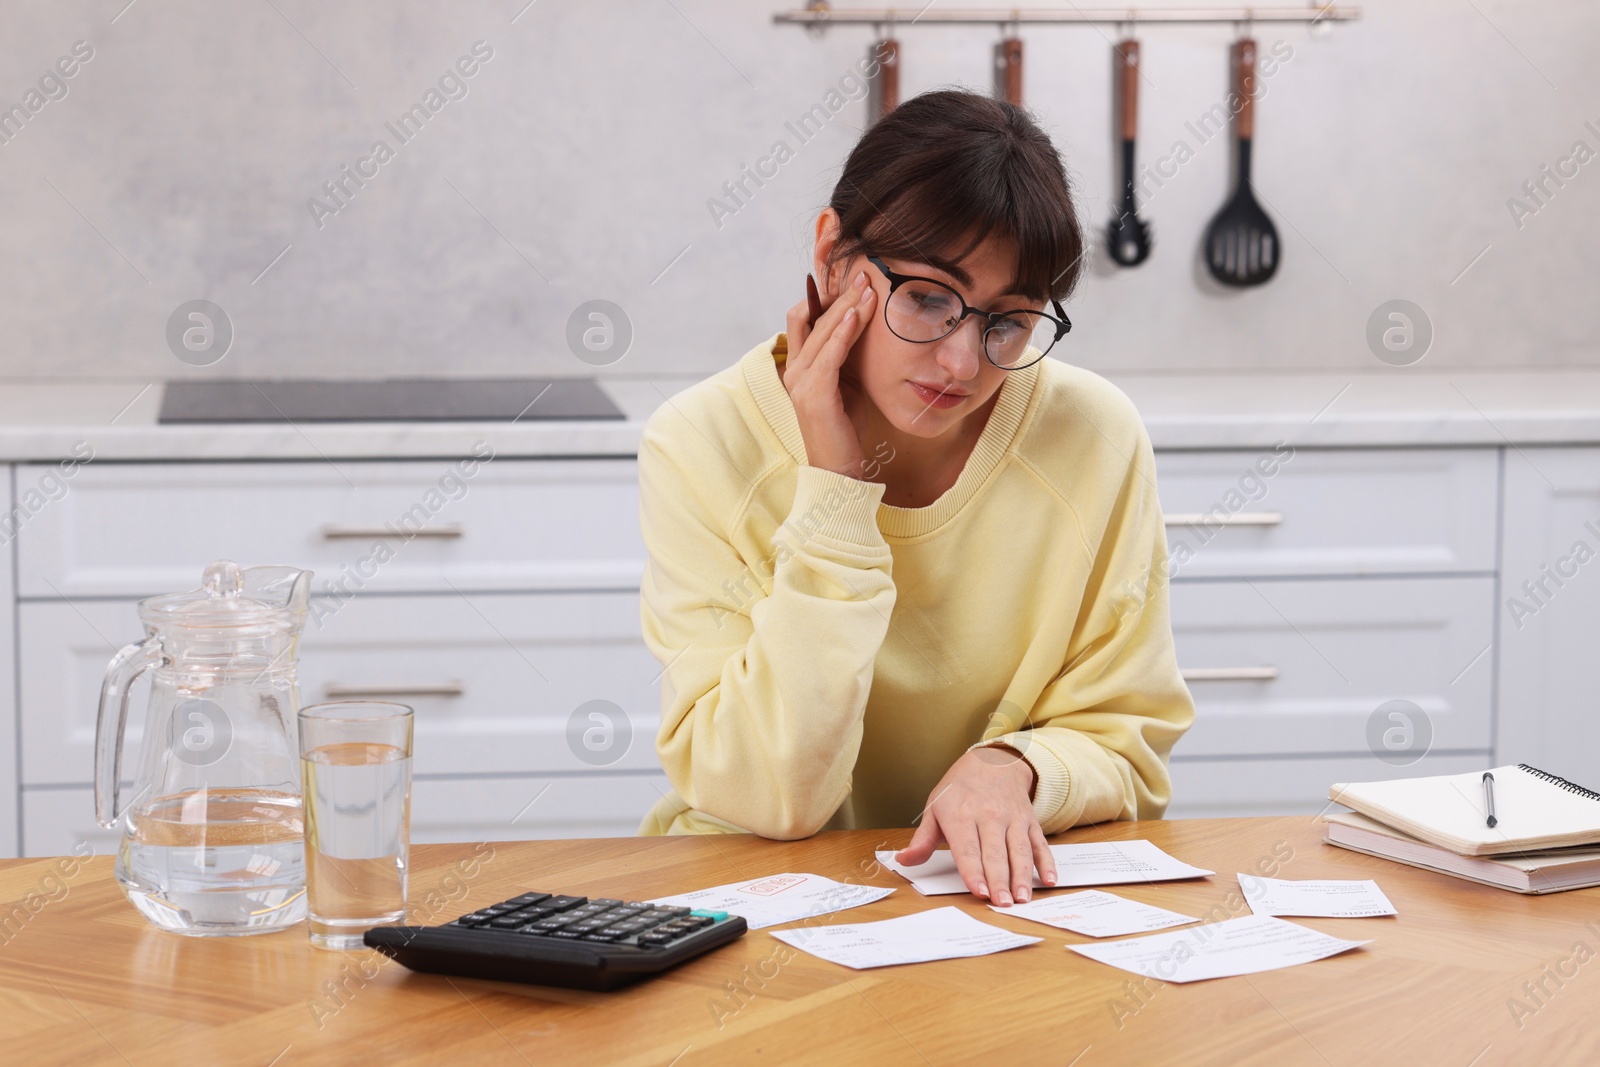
pixel 952 162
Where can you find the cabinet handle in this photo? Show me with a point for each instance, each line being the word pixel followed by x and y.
pixel 1229 674
pixel 1243 518
pixel 338 691
pixel 449 531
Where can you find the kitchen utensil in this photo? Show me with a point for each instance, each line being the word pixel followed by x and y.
pixel 886 86
pixel 212 840
pixel 1128 237
pixel 1241 245
pixel 1008 70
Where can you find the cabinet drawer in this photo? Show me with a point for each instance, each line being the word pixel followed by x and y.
pixel 1301 666
pixel 520 666
pixel 140 529
pixel 535 808
pixel 1219 789
pixel 1304 512
pixel 54 821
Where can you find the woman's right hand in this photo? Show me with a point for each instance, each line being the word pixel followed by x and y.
pixel 811 375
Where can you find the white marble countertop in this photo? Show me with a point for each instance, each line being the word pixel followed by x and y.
pixel 44 420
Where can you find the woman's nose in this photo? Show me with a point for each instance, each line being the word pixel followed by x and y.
pixel 961 352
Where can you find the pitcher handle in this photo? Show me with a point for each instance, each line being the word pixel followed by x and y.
pixel 124 670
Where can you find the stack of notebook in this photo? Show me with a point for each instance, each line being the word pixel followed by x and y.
pixel 1546 835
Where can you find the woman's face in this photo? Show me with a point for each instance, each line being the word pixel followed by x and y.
pixel 929 389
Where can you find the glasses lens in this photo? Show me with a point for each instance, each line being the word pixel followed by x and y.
pixel 923 311
pixel 1010 341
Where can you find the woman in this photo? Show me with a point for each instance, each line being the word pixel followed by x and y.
pixel 903 571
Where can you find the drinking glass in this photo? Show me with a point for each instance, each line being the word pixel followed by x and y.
pixel 355 763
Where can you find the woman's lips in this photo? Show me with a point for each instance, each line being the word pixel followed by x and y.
pixel 937 398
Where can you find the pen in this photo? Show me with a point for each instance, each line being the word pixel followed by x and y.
pixel 1488 798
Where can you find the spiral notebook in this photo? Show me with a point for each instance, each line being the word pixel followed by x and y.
pixel 1534 810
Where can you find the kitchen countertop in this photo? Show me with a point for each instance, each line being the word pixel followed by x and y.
pixel 44 420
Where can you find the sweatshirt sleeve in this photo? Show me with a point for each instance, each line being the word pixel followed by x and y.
pixel 764 692
pixel 1100 732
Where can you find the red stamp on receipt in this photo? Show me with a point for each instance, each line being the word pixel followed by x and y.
pixel 771 887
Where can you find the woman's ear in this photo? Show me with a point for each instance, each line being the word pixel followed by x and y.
pixel 827 274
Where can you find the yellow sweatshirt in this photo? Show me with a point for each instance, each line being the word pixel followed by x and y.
pixel 828 656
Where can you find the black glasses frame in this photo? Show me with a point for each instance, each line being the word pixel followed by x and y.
pixel 896 280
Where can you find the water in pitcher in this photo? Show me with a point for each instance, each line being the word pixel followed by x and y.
pixel 357 797
pixel 216 861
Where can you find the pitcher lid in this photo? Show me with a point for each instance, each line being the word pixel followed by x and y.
pixel 230 595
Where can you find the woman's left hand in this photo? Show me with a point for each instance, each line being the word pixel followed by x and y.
pixel 981 807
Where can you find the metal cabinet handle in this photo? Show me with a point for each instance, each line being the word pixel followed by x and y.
pixel 338 691
pixel 1243 518
pixel 448 531
pixel 1229 674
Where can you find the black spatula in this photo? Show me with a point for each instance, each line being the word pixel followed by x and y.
pixel 1241 244
pixel 1128 237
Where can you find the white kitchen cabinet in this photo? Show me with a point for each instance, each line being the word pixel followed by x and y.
pixel 496 681
pixel 137 529
pixel 1300 667
pixel 521 808
pixel 1229 788
pixel 1329 512
pixel 1549 613
pixel 10 816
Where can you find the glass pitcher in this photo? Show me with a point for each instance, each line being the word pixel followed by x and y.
pixel 212 835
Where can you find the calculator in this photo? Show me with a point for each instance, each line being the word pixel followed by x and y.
pixel 557 940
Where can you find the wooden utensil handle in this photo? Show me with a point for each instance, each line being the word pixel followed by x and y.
pixel 1244 80
pixel 1008 69
pixel 888 80
pixel 1127 54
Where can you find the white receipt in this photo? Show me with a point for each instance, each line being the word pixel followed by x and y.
pixel 1327 900
pixel 941 934
pixel 779 898
pixel 1218 950
pixel 1096 914
pixel 1100 863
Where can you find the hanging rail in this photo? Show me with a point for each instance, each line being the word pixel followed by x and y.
pixel 820 14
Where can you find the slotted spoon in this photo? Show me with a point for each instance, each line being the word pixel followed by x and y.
pixel 1241 244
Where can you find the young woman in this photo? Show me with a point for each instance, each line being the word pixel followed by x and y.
pixel 904 571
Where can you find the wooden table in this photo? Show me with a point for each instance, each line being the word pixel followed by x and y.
pixel 1454 979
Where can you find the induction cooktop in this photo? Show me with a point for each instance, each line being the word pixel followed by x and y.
pixel 391 400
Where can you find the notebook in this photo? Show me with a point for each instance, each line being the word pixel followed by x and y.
pixel 1525 872
pixel 1534 809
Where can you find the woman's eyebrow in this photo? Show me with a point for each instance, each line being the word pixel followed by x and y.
pixel 965 279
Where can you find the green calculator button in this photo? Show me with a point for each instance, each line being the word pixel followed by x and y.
pixel 701 913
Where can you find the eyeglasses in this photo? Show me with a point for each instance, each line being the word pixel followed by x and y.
pixel 921 310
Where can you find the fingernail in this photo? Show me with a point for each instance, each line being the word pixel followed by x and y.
pixel 1022 895
pixel 1003 898
pixel 1050 879
pixel 861 279
pixel 983 890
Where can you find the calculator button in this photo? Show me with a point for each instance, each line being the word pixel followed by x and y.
pixel 571 935
pixel 654 939
pixel 672 911
pixel 507 922
pixel 474 918
pixel 712 915
pixel 498 909
pixel 563 903
pixel 529 898
pixel 606 902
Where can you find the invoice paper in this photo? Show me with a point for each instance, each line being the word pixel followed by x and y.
pixel 1099 863
pixel 779 898
pixel 1326 900
pixel 1219 950
pixel 1096 914
pixel 941 934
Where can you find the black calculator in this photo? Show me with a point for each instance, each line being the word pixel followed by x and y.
pixel 549 939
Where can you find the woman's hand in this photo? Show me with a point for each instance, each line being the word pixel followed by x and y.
pixel 981 808
pixel 811 375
